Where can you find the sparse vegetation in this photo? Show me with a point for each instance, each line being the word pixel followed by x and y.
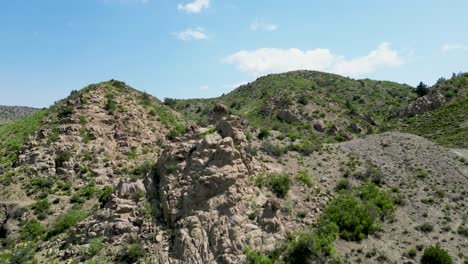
pixel 65 221
pixel 132 252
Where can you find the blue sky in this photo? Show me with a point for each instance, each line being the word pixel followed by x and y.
pixel 203 48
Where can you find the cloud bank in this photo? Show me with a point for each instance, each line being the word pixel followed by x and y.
pixel 270 60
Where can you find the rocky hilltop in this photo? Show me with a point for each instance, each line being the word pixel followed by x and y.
pixel 113 175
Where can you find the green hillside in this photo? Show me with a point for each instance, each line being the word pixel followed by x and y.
pixel 342 106
pixel 447 125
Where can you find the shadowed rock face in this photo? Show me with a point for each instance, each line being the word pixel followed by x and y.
pixel 204 191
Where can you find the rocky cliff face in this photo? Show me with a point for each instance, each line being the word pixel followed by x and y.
pixel 204 193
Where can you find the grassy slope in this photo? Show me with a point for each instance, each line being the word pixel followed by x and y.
pixel 448 125
pixel 13 135
pixel 329 99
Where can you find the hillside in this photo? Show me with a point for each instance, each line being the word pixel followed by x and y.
pixel 442 115
pixel 319 107
pixel 62 162
pixel 292 168
pixel 11 113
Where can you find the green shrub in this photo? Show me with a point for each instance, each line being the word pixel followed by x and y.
pixel 425 227
pixel 411 252
pixel 280 184
pixel 463 230
pixel 422 175
pixel 65 111
pixel 374 174
pixel 132 253
pixel 96 244
pixel 62 157
pixel 32 230
pixel 293 135
pixel 303 177
pixel 23 254
pixel 435 255
pixel 343 184
pixel 263 134
pixel 41 208
pixel 84 193
pixel 277 183
pixel 311 247
pixel 358 215
pixel 248 136
pixel 111 105
pixel 65 221
pixel 105 195
pixel 254 257
pixel 274 149
pixel 173 133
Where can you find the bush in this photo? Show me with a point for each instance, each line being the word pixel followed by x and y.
pixel 254 257
pixel 274 149
pixel 170 102
pixel 435 255
pixel 23 254
pixel 280 184
pixel 303 177
pixel 343 184
pixel 357 218
pixel 84 193
pixel 105 195
pixel 111 105
pixel 425 227
pixel 264 133
pixel 41 208
pixel 62 157
pixel 32 230
pixel 132 253
pixel 294 135
pixel 311 247
pixel 65 111
pixel 95 246
pixel 277 183
pixel 65 221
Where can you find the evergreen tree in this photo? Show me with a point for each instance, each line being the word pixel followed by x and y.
pixel 422 89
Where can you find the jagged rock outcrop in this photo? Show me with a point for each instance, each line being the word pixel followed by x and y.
pixel 217 113
pixel 203 188
pixel 423 104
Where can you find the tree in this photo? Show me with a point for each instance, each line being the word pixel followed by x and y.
pixel 422 89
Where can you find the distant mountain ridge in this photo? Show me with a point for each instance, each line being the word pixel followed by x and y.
pixel 11 113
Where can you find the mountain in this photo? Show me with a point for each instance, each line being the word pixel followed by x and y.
pixel 10 113
pixel 299 167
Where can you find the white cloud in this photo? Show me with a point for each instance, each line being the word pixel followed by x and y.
pixel 452 46
pixel 194 7
pixel 259 24
pixel 191 34
pixel 204 87
pixel 270 60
